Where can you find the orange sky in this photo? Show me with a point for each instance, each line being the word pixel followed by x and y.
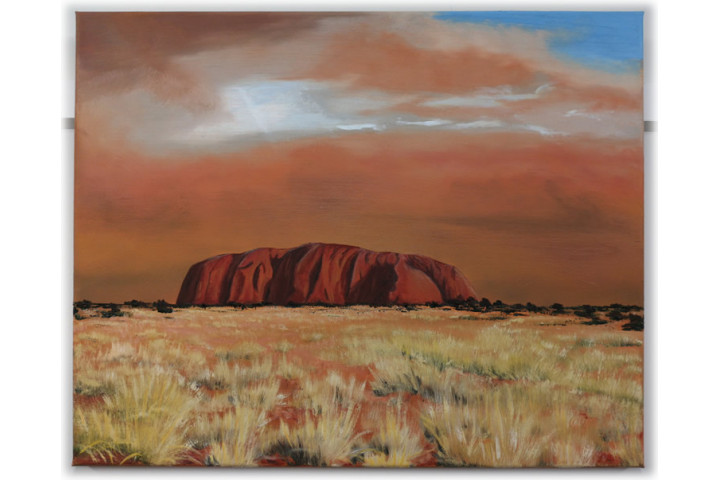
pixel 201 135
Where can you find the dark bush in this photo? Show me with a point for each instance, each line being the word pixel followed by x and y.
pixel 586 311
pixel 469 305
pixel 113 312
pixel 636 323
pixel 407 307
pixel 137 304
pixel 557 308
pixel 615 315
pixel 531 307
pixel 162 306
pixel 485 303
pixel 84 304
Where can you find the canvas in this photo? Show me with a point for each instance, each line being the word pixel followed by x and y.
pixel 359 239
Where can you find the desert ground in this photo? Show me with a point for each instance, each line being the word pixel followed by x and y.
pixel 356 386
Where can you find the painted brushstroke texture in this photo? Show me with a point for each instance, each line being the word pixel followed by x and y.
pixel 479 143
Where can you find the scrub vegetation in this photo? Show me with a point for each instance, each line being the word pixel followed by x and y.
pixel 366 386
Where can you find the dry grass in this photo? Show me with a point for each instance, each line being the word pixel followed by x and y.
pixel 240 351
pixel 312 337
pixel 498 430
pixel 410 375
pixel 263 394
pixel 360 350
pixel 395 443
pixel 237 437
pixel 497 352
pixel 145 418
pixel 290 370
pixel 361 385
pixel 324 439
pixel 618 388
pixel 333 389
pixel 609 340
pixel 231 375
pixel 283 346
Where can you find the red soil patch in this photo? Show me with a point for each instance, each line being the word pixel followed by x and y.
pixel 191 458
pixel 606 459
pixel 287 414
pixel 87 401
pixel 428 459
pixel 288 386
pixel 275 461
pixel 109 460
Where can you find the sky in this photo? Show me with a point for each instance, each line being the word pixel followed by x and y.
pixel 610 41
pixel 508 144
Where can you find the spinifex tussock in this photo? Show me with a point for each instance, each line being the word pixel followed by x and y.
pixel 145 418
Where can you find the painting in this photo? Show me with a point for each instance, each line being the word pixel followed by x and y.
pixel 358 239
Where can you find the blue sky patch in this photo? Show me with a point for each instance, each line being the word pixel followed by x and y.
pixel 610 41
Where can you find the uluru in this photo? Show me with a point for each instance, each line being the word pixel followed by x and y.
pixel 319 273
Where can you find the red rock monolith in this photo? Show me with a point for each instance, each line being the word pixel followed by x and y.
pixel 318 273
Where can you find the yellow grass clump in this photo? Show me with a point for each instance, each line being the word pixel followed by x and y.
pixel 324 439
pixel 145 418
pixel 395 443
pixel 229 375
pixel 240 351
pixel 237 438
pixel 263 394
pixel 292 370
pixel 332 389
pixel 497 431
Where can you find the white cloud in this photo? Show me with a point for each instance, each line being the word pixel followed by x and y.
pixel 273 108
pixel 539 129
pixel 480 124
pixel 580 113
pixel 361 126
pixel 481 101
pixel 425 123
pixel 488 97
pixel 262 109
pixel 573 119
pixel 276 106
